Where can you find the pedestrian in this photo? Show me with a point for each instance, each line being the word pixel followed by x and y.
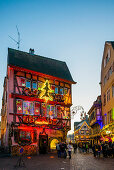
pixel 69 150
pixel 75 147
pixel 58 150
pixel 94 150
pixel 87 147
pixel 99 149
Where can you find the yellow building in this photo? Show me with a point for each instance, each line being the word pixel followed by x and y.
pixel 107 89
pixel 82 131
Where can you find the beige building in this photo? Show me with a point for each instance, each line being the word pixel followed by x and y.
pixel 107 88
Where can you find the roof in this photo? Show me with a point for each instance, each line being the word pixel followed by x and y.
pixel 79 124
pixel 39 63
pixel 111 42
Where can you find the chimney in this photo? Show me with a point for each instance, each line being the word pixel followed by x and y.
pixel 31 51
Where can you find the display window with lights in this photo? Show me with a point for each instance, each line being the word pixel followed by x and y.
pixel 27 107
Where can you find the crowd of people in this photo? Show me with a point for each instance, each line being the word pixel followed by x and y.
pixel 106 149
pixel 62 149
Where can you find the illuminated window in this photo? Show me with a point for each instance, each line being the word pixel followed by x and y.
pixel 19 106
pixel 61 91
pixel 28 108
pixel 58 111
pixel 37 108
pixel 56 90
pixel 28 84
pixel 40 85
pixel 22 82
pixel 44 110
pixel 25 137
pixel 65 90
pixel 53 88
pixel 34 85
pixel 51 111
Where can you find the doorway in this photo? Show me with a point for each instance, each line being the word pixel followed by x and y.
pixel 43 143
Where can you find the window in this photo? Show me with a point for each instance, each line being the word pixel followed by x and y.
pixel 53 88
pixel 56 90
pixel 25 137
pixel 105 119
pixel 58 108
pixel 37 108
pixel 28 108
pixel 108 95
pixel 113 90
pixel 19 106
pixel 40 85
pixel 110 71
pixel 104 99
pixel 109 116
pixel 28 84
pixel 51 111
pixel 61 91
pixel 44 110
pixel 65 90
pixel 34 85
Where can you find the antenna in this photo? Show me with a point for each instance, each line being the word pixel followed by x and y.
pixel 17 42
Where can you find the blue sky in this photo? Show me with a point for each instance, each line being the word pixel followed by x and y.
pixel 74 31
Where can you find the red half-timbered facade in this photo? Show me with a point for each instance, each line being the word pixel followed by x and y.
pixel 38 102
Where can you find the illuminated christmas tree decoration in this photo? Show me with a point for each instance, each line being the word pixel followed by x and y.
pixel 45 92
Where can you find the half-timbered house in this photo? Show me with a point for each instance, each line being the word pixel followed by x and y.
pixel 36 102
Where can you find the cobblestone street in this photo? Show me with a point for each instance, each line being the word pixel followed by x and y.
pixel 79 161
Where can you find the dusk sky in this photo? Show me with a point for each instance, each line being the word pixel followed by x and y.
pixel 73 31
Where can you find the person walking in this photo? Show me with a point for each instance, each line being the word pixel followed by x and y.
pixel 58 150
pixel 69 150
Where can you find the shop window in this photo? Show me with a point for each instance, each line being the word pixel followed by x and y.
pixel 28 108
pixel 51 111
pixel 34 85
pixel 25 137
pixel 28 84
pixel 37 109
pixel 19 106
pixel 61 91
